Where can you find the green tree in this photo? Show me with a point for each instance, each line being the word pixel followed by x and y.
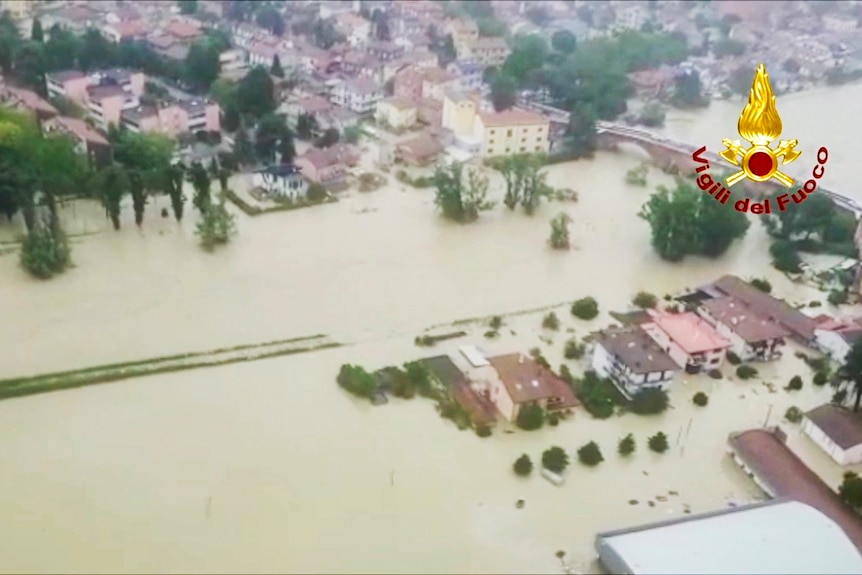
pixel 139 195
pixel 658 442
pixel 45 253
pixel 324 35
pixel 459 200
pixel 30 67
pixel 276 69
pixel 242 147
pixel 650 401
pixel 201 182
pixel 719 226
pixel 627 445
pixel 523 466
pixel 564 41
pixel 645 300
pixel 586 308
pixel 270 19
pixel 10 40
pixel 96 52
pixel 728 47
pixel 61 50
pixel 231 119
pixel 201 66
pixel 850 489
pixel 528 53
pixel 217 226
pixel 328 139
pixel 580 137
pixel 36 33
pixel 740 80
pixel 111 184
pixel 785 256
pixel 504 92
pixel 555 459
pixel 688 91
pixel 590 454
pixel 172 178
pixel 273 137
pixel 255 93
pixel 530 417
pixel 559 239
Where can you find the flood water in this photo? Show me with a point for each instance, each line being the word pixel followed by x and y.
pixel 269 467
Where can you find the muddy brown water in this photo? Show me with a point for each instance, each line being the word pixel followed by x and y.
pixel 269 467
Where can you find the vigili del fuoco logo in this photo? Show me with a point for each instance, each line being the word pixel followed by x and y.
pixel 759 125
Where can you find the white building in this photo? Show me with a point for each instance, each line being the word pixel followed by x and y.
pixel 840 22
pixel 689 340
pixel 836 339
pixel 632 360
pixel 630 17
pixel 284 182
pixel 837 431
pixel 752 337
pixel 359 95
pixel 780 536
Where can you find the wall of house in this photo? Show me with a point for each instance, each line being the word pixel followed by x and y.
pixel 213 113
pixel 459 116
pixel 149 124
pixel 76 89
pixel 436 90
pixel 507 140
pixel 112 107
pixel 629 383
pixel 824 442
pixel 400 118
pixel 137 81
pixel 832 344
pixel 712 359
pixel 173 120
pixel 293 187
pixel 308 170
pixel 501 399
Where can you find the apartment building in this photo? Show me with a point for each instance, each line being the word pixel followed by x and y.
pixel 359 95
pixel 73 84
pixel 490 51
pixel 513 131
pixel 173 118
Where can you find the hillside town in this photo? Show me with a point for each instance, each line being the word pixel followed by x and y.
pixel 293 104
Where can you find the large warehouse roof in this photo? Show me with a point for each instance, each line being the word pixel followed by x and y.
pixel 782 537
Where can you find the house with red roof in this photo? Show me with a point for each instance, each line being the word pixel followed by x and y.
pixel 688 339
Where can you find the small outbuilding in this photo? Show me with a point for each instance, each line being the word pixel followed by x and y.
pixel 837 431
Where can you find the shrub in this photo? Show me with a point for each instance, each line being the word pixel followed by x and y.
pixel 316 193
pixel 356 380
pixel 590 454
pixel 573 349
pixel 217 226
pixel 815 303
pixel 850 489
pixel 553 420
pixel 483 430
pixel 45 253
pixel 627 445
pixel 785 256
pixel 733 359
pixel 492 333
pixel 700 399
pixel 555 459
pixel 598 395
pixel 495 322
pixel 761 284
pixel 585 308
pixel 537 355
pixel 745 372
pixel 793 414
pixel 566 375
pixel 645 300
pixel 714 373
pixel 424 340
pixel 530 417
pixel 658 442
pixel 649 401
pixel 820 378
pixel 551 321
pixel 523 466
pixel 795 384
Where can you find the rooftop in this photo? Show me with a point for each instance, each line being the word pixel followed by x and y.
pixel 513 117
pixel 689 331
pixel 82 130
pixel 490 43
pixel 785 475
pixel 767 306
pixel 526 380
pixel 362 85
pixel 422 146
pixel 64 76
pixel 400 103
pixel 98 93
pixel 777 537
pixel 743 320
pixel 635 349
pixel 838 423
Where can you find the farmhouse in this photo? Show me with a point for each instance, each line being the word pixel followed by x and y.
pixel 632 360
pixel 837 431
pixel 691 342
pixel 521 380
pixel 284 182
pixel 752 336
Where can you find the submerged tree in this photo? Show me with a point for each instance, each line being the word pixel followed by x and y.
pixel 525 183
pixel 560 231
pixel 216 227
pixel 111 184
pixel 849 380
pixel 201 182
pixel 459 200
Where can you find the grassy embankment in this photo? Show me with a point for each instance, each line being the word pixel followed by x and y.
pixel 30 385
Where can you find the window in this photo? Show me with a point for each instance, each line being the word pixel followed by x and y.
pixel 523 149
pixel 509 133
pixel 508 150
pixel 538 148
pixel 539 139
pixel 523 140
pixel 493 132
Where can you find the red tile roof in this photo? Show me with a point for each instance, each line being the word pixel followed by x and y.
pixel 32 101
pixel 689 331
pixel 513 117
pixel 744 321
pixel 81 130
pixel 183 30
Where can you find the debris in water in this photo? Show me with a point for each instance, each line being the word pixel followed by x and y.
pixel 508 431
pixel 687 511
pixel 651 503
pixel 209 505
pixel 560 554
pixel 661 498
pixel 644 472
pixel 633 501
pixel 672 492
pixel 519 504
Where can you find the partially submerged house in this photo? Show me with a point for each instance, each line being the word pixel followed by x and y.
pixel 283 182
pixel 518 380
pixel 447 374
pixel 753 337
pixel 835 338
pixel 837 431
pixel 631 359
pixel 688 339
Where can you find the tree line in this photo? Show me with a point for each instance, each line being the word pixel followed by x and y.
pixel 38 171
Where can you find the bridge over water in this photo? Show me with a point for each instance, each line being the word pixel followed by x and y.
pixel 661 146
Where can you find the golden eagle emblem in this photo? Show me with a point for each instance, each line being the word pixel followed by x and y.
pixel 760 125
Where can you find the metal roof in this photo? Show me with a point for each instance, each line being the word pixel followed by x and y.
pixel 781 537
